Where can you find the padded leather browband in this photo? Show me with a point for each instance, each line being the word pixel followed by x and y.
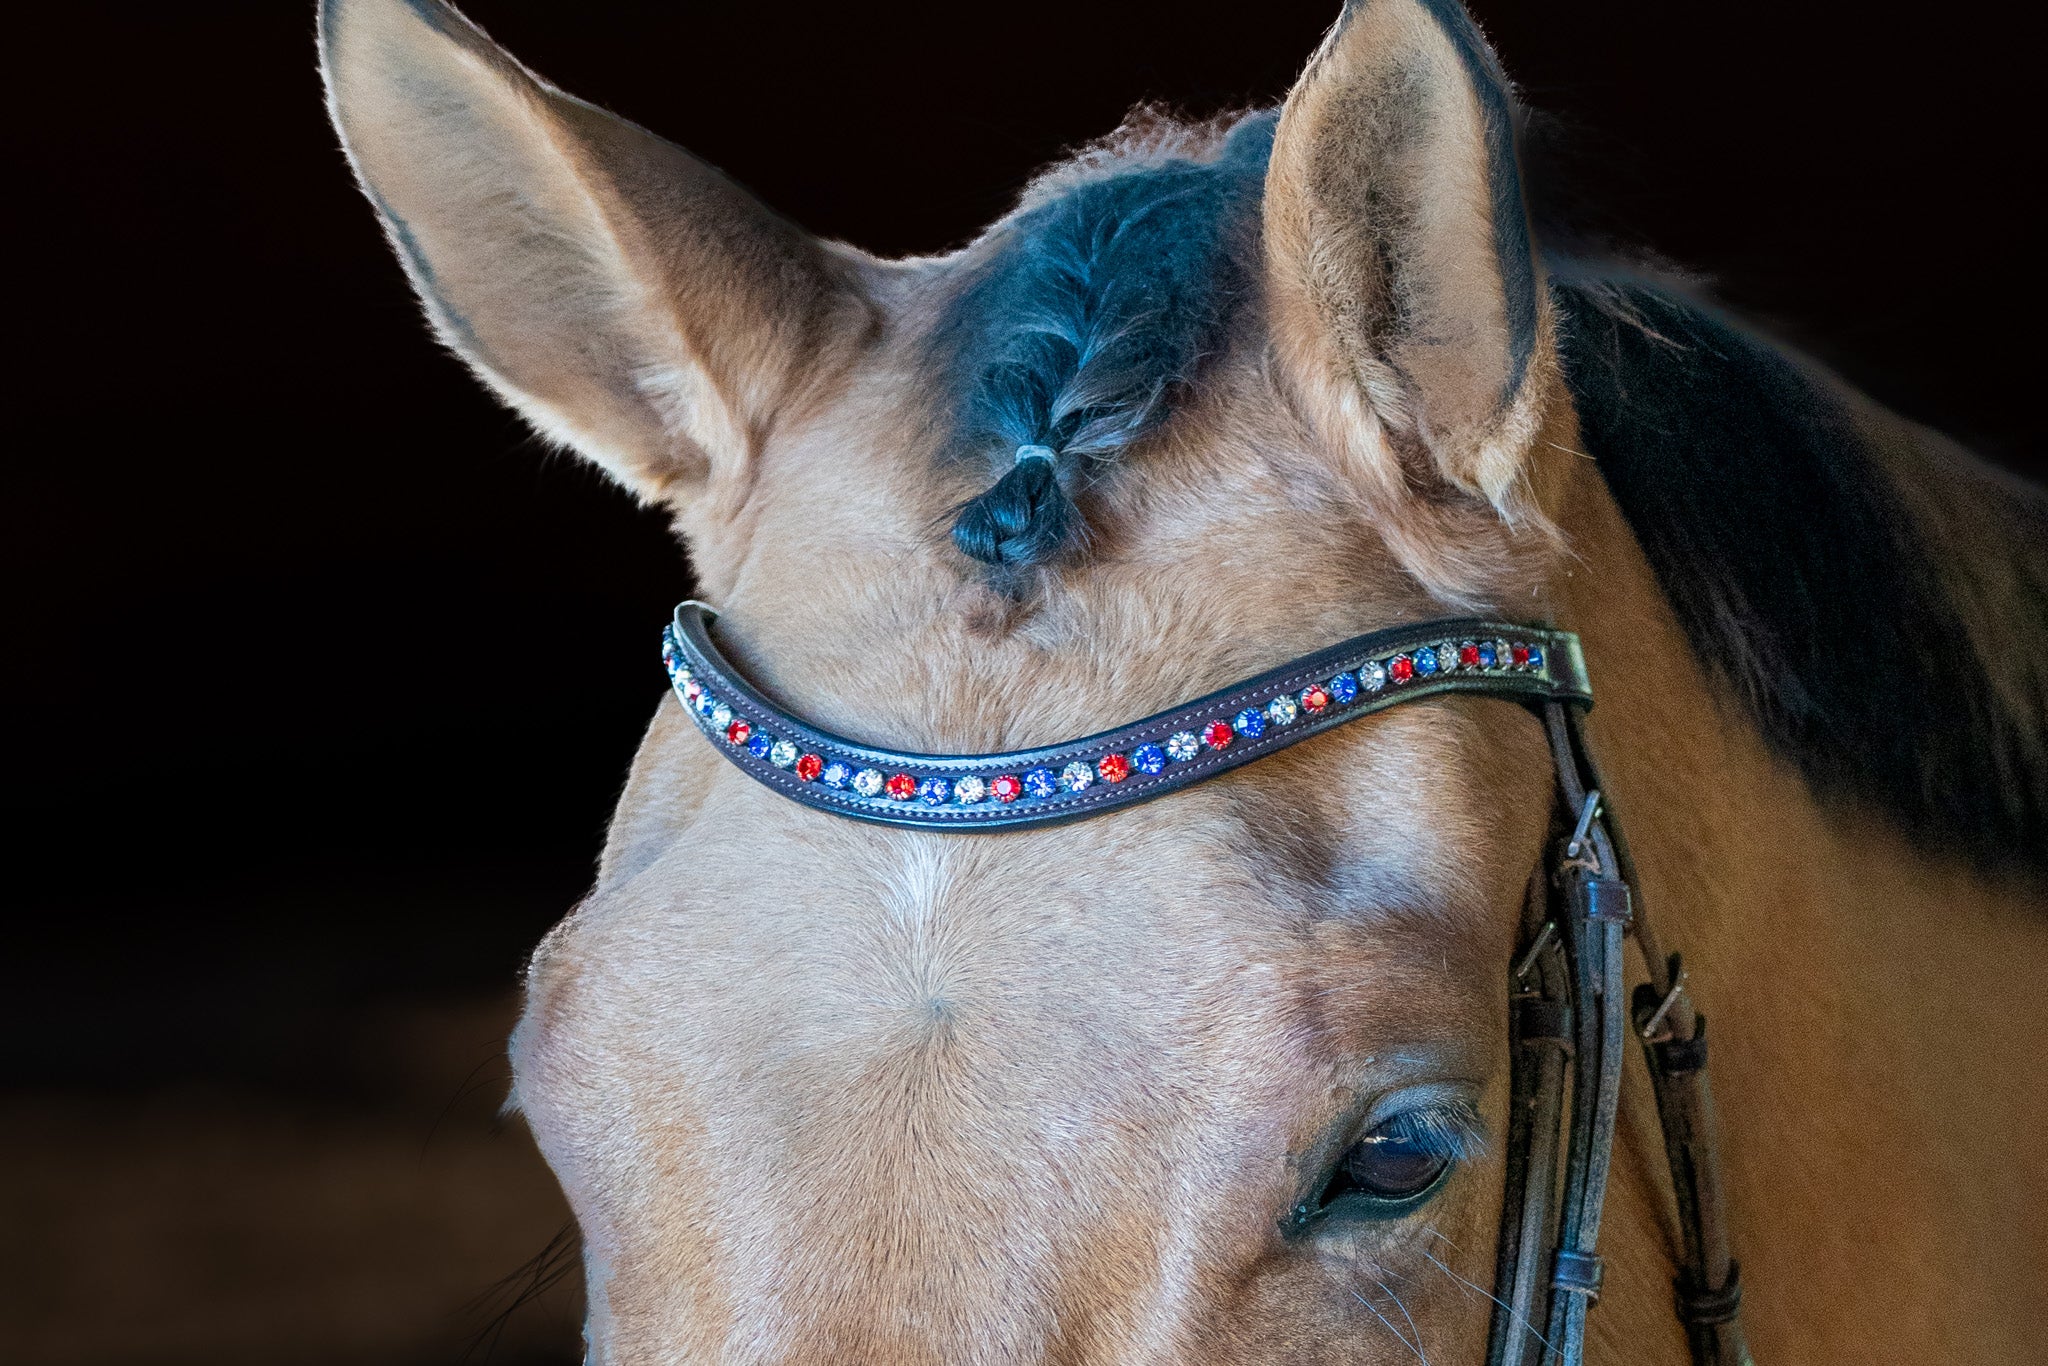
pixel 1134 763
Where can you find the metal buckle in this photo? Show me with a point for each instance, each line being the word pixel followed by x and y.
pixel 1535 951
pixel 1649 1029
pixel 1579 846
pixel 1587 811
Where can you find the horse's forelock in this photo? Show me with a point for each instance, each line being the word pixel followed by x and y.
pixel 1089 314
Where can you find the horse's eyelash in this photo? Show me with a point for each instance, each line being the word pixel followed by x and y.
pixel 1450 1129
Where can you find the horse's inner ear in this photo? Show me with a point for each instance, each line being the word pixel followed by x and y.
pixel 1403 292
pixel 625 297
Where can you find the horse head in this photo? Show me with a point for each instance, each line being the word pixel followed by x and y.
pixel 1220 1078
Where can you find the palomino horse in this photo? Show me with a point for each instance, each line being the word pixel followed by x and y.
pixel 1225 1077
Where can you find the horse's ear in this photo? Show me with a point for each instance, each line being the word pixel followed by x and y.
pixel 1403 292
pixel 628 299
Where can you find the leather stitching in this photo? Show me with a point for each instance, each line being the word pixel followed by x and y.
pixel 1558 679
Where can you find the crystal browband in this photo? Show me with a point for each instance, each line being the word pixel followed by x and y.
pixel 1120 767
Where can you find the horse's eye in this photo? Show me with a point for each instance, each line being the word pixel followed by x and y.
pixel 1393 1162
pixel 1394 1169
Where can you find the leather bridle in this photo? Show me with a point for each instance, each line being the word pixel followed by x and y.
pixel 1567 1020
pixel 1566 1030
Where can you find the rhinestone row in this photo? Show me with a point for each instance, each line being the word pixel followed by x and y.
pixel 1285 709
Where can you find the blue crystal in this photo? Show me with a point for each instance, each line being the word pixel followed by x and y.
pixel 1487 658
pixel 760 744
pixel 1148 758
pixel 705 702
pixel 1250 723
pixel 1535 656
pixel 935 791
pixel 1425 662
pixel 1041 782
pixel 1344 687
pixel 836 775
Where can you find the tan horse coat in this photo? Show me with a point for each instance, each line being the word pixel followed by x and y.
pixel 820 1092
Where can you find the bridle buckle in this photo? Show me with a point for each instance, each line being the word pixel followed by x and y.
pixel 1652 1028
pixel 1581 851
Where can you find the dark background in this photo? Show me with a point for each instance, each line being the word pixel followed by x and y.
pixel 323 675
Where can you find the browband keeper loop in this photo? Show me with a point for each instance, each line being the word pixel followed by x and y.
pixel 1607 899
pixel 1578 1273
pixel 1540 1022
pixel 1678 1056
pixel 1699 1307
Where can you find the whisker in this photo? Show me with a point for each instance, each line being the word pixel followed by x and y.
pixel 1390 1327
pixel 1527 1326
pixel 1412 1327
pixel 543 1272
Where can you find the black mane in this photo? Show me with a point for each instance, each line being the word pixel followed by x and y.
pixel 1788 553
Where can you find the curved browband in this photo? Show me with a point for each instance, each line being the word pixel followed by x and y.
pixel 1120 767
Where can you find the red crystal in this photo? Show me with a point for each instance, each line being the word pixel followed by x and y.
pixel 1114 768
pixel 1520 654
pixel 1218 735
pixel 1007 788
pixel 809 767
pixel 737 733
pixel 902 787
pixel 1314 699
pixel 1468 656
pixel 1401 668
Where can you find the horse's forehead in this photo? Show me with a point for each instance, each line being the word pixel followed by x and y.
pixel 805 1053
pixel 780 937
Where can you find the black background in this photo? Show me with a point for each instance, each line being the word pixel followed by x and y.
pixel 323 674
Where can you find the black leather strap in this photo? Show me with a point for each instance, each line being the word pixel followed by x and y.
pixel 1674 1039
pixel 1709 1286
pixel 1542 1029
pixel 1533 665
